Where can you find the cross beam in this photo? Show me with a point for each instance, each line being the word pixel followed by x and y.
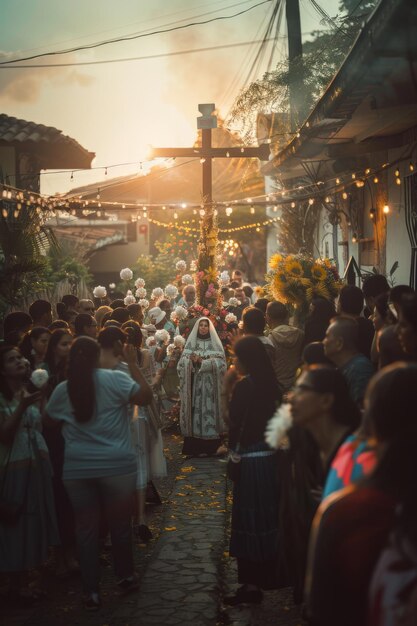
pixel 206 264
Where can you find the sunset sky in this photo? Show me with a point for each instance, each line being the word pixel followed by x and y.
pixel 118 109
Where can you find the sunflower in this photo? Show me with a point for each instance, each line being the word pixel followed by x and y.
pixel 294 268
pixel 319 290
pixel 318 272
pixel 274 261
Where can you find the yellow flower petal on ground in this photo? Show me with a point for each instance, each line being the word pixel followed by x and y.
pixel 170 528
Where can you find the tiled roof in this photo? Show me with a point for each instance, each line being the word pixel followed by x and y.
pixel 55 149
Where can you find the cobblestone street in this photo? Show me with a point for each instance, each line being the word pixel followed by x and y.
pixel 185 570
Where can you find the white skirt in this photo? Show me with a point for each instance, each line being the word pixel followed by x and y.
pixel 149 448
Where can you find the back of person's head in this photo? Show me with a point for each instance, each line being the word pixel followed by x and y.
pixel 165 305
pixel 101 312
pixel 322 309
pixel 408 306
pixel 313 354
pixel 261 304
pixel 133 332
pixel 374 285
pixel 117 303
pixel 110 336
pixel 38 309
pixel 248 291
pixel 347 330
pixel 253 321
pixel 135 311
pixel 58 324
pixel 83 360
pixel 234 284
pixel 16 322
pixel 81 321
pixel 351 300
pixel 277 312
pixel 120 314
pixel 257 364
pixel 390 415
pixel 70 301
pixel 382 307
pixel 109 322
pixel 396 293
pixel 328 379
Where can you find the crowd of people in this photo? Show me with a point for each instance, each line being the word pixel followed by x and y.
pixel 316 424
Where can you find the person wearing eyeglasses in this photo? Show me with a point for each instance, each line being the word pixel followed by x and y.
pixel 86 306
pixel 85 324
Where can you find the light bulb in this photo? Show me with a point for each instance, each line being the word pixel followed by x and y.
pixel 386 209
pixel 376 180
pixel 344 195
pixel 398 181
pixel 252 210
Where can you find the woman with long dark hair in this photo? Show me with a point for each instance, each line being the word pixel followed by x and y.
pixel 25 476
pixel 34 346
pixel 56 363
pixel 254 537
pixel 99 462
pixel 352 526
pixel 318 320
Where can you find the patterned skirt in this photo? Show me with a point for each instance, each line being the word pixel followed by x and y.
pixel 255 535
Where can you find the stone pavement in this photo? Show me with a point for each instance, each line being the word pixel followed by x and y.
pixel 181 584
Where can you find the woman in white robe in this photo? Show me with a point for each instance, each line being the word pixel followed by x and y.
pixel 201 369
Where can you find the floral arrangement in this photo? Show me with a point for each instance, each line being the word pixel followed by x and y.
pixel 218 319
pixel 139 283
pixel 144 303
pixel 297 279
pixel 157 293
pixel 162 336
pixel 179 314
pixel 171 291
pixel 187 279
pixel 276 435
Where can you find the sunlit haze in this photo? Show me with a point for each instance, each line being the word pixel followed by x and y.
pixel 118 109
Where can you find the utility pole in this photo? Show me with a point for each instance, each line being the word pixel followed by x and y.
pixel 295 57
pixel 207 245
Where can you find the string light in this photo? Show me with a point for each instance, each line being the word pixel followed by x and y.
pixel 398 181
pixel 344 195
pixel 386 209
pixel 252 210
pixel 397 172
pixel 411 167
pixel 376 180
pixel 372 213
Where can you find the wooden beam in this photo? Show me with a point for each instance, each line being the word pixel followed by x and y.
pixel 262 152
pixel 352 149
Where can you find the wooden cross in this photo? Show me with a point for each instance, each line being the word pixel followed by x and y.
pixel 207 245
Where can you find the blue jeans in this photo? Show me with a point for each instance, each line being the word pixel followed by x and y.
pixel 89 496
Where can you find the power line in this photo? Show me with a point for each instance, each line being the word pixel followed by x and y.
pixel 140 58
pixel 132 37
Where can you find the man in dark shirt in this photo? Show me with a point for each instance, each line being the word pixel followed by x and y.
pixel 350 305
pixel 340 346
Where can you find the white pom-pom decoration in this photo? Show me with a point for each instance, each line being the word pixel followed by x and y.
pixel 126 274
pixel 112 285
pixel 171 291
pixel 39 378
pixel 140 292
pixel 180 312
pixel 230 318
pixel 234 302
pixel 130 298
pixel 144 303
pixel 139 282
pixel 157 293
pixel 150 342
pixel 278 427
pixel 162 336
pixel 170 349
pixel 99 292
pixel 179 341
pixel 181 266
pixel 187 279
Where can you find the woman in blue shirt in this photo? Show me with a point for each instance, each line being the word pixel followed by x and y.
pixel 99 462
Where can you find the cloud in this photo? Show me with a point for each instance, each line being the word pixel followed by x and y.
pixel 25 85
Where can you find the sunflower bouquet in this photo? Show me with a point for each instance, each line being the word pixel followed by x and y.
pixel 296 279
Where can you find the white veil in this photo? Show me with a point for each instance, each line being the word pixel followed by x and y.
pixel 191 345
